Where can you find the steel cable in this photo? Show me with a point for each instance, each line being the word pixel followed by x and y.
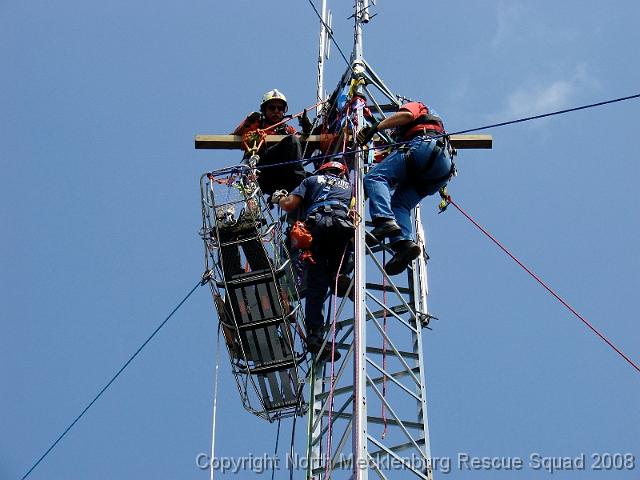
pixel 113 379
pixel 541 282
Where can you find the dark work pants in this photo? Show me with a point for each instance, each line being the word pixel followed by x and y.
pixel 327 250
pixel 253 251
pixel 285 177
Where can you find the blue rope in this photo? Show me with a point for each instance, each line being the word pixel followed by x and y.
pixel 112 380
pixel 558 112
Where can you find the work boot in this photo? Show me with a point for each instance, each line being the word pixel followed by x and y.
pixel 314 341
pixel 344 281
pixel 370 240
pixel 325 356
pixel 385 227
pixel 314 344
pixel 406 252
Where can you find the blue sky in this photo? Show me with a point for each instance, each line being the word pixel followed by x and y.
pixel 100 102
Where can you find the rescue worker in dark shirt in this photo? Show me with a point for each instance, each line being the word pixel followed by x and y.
pixel 272 111
pixel 325 198
pixel 410 173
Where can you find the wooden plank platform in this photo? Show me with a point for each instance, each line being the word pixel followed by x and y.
pixel 232 142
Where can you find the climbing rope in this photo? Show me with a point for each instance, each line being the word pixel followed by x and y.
pixel 384 345
pixel 275 451
pixel 312 412
pixel 541 282
pixel 293 440
pixel 331 371
pixel 333 330
pixel 215 403
pixel 205 278
pixel 288 118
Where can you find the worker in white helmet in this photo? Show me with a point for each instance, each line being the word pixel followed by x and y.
pixel 272 111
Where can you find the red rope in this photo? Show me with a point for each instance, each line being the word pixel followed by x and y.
pixel 571 309
pixel 333 352
pixel 331 377
pixel 285 120
pixel 333 344
pixel 384 347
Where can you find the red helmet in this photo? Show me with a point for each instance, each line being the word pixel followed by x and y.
pixel 334 167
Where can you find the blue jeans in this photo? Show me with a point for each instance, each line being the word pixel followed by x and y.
pixel 407 172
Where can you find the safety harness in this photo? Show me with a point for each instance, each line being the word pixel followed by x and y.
pixel 442 144
pixel 323 214
pixel 425 123
pixel 327 208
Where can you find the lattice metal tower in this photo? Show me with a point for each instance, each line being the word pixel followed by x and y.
pixel 375 396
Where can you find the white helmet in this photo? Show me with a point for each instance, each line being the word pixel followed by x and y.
pixel 274 94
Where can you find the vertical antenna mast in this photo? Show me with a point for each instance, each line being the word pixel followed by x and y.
pixel 359 435
pixel 322 51
pixel 361 16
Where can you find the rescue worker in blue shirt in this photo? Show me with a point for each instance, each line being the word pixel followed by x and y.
pixel 325 198
pixel 413 171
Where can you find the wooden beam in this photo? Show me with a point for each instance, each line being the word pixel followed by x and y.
pixel 232 142
pixel 466 142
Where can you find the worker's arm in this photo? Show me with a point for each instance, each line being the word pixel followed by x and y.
pixel 396 120
pixel 290 202
pixel 251 122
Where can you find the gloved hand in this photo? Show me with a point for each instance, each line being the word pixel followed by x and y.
pixel 366 134
pixel 277 196
pixel 252 118
pixel 305 123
